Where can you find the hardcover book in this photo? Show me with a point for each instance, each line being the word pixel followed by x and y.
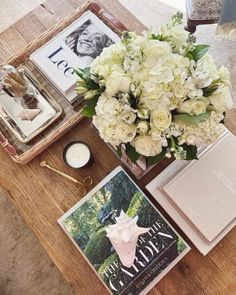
pixel 205 190
pixel 208 188
pixel 127 242
pixel 75 47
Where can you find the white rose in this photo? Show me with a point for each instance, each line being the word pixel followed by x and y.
pixel 128 116
pixel 124 84
pixel 194 106
pixel 157 136
pixel 146 146
pixel 117 82
pixel 112 84
pixel 151 102
pixel 178 89
pixel 142 127
pixel 160 119
pixel 222 101
pixel 125 132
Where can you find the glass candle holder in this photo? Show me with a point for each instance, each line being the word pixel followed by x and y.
pixel 77 155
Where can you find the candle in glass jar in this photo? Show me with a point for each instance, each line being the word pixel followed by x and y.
pixel 77 155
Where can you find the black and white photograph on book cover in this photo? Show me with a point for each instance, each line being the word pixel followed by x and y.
pixel 75 47
pixel 87 41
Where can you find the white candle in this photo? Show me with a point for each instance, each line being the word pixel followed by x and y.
pixel 77 154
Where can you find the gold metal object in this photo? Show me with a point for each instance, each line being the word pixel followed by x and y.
pixel 86 182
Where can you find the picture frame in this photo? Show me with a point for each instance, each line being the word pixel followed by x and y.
pixel 15 111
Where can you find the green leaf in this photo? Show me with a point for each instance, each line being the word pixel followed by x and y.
pixel 177 18
pixel 208 91
pixel 199 51
pixel 191 152
pixel 87 70
pixel 88 112
pixel 87 79
pixel 89 109
pixel 159 37
pixel 154 160
pixel 126 37
pixel 189 56
pixel 223 120
pixel 192 119
pixel 131 153
pixel 84 74
pixel 118 150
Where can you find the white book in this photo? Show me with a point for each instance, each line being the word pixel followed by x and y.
pixel 205 190
pixel 75 47
pixel 207 214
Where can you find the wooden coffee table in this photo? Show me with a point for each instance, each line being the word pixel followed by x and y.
pixel 42 196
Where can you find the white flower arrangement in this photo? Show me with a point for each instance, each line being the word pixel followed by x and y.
pixel 159 94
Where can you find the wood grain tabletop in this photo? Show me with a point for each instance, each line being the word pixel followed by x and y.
pixel 42 197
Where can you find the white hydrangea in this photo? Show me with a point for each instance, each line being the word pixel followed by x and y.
pixel 115 120
pixel 110 60
pixel 203 74
pixel 147 82
pixel 205 132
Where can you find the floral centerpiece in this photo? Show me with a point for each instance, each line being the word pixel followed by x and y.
pixel 159 94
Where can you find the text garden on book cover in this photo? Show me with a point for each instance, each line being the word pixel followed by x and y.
pixel 156 250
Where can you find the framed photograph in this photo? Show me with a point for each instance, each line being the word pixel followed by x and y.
pixel 30 114
pixel 75 47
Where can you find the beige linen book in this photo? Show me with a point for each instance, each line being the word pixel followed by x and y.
pixel 155 187
pixel 205 190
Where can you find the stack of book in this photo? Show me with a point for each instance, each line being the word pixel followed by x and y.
pixel 74 47
pixel 200 196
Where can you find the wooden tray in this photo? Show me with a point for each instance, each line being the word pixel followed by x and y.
pixel 23 153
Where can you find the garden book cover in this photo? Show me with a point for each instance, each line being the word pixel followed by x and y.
pixel 127 242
